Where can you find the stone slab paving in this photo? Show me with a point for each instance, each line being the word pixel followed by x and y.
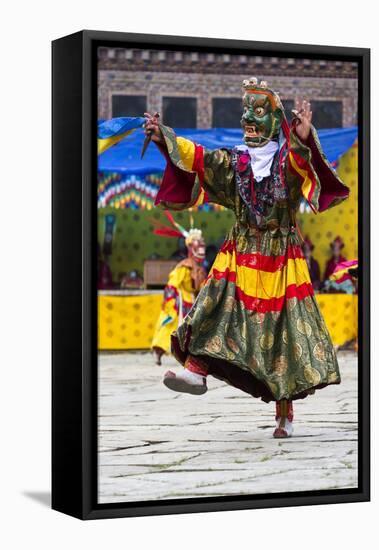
pixel 157 444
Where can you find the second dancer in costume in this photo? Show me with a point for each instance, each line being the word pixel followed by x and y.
pixel 183 285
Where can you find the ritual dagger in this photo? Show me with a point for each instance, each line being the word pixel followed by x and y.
pixel 147 139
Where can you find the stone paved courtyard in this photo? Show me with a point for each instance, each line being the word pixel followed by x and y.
pixel 156 444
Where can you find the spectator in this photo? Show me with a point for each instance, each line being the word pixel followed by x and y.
pixel 104 273
pixel 337 245
pixel 313 265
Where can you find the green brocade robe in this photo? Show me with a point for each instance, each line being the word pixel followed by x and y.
pixel 256 323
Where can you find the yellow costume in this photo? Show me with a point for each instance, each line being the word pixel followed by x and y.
pixel 179 295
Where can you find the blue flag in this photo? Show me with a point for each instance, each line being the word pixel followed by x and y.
pixel 110 132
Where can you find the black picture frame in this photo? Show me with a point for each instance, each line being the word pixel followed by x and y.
pixel 74 333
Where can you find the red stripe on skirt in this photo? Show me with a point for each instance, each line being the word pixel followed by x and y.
pixel 264 305
pixel 261 261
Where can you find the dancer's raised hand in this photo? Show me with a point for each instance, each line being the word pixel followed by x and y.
pixel 152 127
pixel 303 119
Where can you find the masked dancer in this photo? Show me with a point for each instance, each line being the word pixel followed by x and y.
pixel 255 323
pixel 183 285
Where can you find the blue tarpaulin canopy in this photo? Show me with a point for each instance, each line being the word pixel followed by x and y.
pixel 125 157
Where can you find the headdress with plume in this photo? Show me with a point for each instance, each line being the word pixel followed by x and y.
pixel 177 230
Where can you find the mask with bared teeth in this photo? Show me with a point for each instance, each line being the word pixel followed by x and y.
pixel 263 113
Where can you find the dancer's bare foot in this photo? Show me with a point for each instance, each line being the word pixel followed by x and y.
pixel 284 419
pixel 186 382
pixel 158 354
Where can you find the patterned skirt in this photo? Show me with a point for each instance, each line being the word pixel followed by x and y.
pixel 256 323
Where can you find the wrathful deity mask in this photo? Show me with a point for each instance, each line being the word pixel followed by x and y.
pixel 263 113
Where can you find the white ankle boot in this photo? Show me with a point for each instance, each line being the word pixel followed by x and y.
pixel 284 419
pixel 186 382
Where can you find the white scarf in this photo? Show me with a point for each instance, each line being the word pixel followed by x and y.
pixel 261 158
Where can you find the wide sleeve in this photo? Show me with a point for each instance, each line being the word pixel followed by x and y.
pixel 194 175
pixel 310 176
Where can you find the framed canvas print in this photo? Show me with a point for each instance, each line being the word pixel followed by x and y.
pixel 210 274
